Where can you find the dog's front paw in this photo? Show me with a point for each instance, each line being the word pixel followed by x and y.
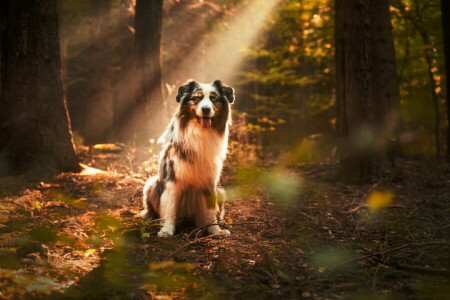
pixel 213 230
pixel 224 232
pixel 144 214
pixel 166 232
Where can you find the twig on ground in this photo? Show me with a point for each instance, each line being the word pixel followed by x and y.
pixel 199 230
pixel 423 270
pixel 394 249
pixel 187 245
pixel 309 217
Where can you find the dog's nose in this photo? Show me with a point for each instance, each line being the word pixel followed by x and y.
pixel 206 110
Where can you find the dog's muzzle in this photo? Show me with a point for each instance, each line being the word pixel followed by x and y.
pixel 204 120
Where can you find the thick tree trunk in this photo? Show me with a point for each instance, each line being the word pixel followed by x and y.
pixel 355 109
pixel 150 105
pixel 384 81
pixel 445 7
pixel 35 136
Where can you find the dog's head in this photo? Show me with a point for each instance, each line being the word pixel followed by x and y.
pixel 205 104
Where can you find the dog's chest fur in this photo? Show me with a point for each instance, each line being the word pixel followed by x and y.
pixel 197 155
pixel 194 149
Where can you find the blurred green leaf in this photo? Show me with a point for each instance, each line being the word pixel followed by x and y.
pixel 9 260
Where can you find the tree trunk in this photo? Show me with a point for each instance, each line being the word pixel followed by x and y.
pixel 150 105
pixel 35 135
pixel 3 7
pixel 355 109
pixel 100 106
pixel 384 81
pixel 445 7
pixel 63 35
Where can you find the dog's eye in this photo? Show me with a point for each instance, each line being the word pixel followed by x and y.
pixel 195 100
pixel 214 98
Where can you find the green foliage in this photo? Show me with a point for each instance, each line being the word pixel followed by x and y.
pixel 9 260
pixel 333 260
pixel 281 185
pixel 417 32
pixel 288 73
pixel 310 149
pixel 107 223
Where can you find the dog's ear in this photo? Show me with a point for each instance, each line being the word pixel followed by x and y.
pixel 186 89
pixel 226 91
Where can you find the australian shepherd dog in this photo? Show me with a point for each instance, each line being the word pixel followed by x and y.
pixel 194 148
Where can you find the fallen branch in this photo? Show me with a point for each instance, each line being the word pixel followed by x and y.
pixel 206 237
pixel 190 243
pixel 227 226
pixel 309 217
pixel 393 250
pixel 423 270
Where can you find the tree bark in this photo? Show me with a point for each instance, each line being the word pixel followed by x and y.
pixel 445 8
pixel 35 134
pixel 149 111
pixel 384 81
pixel 355 109
pixel 62 11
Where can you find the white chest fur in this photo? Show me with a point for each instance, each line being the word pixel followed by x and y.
pixel 210 150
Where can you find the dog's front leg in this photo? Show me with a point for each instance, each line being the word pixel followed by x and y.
pixel 168 210
pixel 221 199
pixel 207 216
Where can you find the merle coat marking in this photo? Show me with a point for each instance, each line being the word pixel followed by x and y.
pixel 194 148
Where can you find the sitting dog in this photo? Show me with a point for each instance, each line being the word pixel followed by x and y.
pixel 194 148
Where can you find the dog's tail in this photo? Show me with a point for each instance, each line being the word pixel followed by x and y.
pixel 152 194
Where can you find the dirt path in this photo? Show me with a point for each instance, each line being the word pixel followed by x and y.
pixel 77 236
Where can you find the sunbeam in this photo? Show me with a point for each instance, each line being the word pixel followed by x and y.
pixel 216 53
pixel 220 56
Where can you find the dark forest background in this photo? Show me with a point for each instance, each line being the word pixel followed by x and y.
pixel 285 79
pixel 121 62
pixel 338 166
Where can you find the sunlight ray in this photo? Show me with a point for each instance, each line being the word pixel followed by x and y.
pixel 218 54
pixel 91 171
pixel 221 58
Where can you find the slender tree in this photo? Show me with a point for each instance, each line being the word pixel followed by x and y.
pixel 416 18
pixel 445 7
pixel 35 135
pixel 149 107
pixel 100 105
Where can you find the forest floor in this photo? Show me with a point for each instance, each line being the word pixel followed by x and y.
pixel 296 233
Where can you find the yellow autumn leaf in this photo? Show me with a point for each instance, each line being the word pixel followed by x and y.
pixel 89 252
pixel 107 147
pixel 380 199
pixel 37 205
pixel 163 265
pixel 4 218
